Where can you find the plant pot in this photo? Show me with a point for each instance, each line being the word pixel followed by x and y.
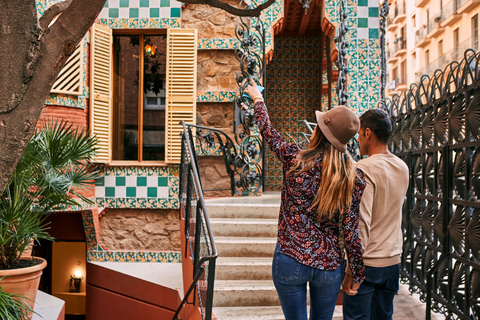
pixel 24 281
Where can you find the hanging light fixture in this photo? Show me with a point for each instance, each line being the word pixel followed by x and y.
pixel 150 49
pixel 305 4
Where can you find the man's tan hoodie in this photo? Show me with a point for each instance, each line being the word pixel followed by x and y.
pixel 381 209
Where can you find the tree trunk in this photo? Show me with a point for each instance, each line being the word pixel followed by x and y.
pixel 32 54
pixel 30 60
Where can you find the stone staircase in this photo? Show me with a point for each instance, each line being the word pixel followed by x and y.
pixel 245 231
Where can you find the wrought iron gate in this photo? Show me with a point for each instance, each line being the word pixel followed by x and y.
pixel 436 131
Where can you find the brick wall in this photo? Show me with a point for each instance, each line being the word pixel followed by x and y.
pixel 77 117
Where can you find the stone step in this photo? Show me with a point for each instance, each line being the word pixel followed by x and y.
pixel 228 210
pixel 244 227
pixel 259 313
pixel 232 268
pixel 247 313
pixel 245 246
pixel 238 293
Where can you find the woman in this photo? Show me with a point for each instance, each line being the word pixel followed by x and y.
pixel 321 190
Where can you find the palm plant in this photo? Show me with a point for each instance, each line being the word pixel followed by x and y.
pixel 52 173
pixel 13 306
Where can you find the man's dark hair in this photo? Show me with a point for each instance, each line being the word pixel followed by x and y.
pixel 378 122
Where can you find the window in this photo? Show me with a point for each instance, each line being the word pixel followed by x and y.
pixel 414 61
pixel 414 22
pixel 456 43
pixel 142 86
pixel 139 63
pixel 427 61
pixel 440 48
pixel 475 32
pixel 70 79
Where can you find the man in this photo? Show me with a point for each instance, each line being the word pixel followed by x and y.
pixel 380 222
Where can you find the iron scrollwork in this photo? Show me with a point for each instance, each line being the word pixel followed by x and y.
pixel 435 126
pixel 250 53
pixel 383 58
pixel 342 44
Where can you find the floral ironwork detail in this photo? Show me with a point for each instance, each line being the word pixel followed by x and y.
pixel 435 126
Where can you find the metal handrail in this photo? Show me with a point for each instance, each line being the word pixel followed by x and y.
pixel 208 141
pixel 197 230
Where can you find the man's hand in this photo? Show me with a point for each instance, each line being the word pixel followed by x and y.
pixel 348 286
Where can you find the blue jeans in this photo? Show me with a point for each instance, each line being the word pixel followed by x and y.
pixel 290 278
pixel 374 299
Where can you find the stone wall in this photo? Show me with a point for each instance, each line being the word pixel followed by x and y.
pixel 217 70
pixel 212 23
pixel 214 176
pixel 216 115
pixel 140 229
pixel 212 168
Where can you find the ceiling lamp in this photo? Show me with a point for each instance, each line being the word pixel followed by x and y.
pixel 305 4
pixel 150 50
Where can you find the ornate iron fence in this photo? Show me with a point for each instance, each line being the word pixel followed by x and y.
pixel 436 131
pixel 250 53
pixel 199 239
pixel 211 141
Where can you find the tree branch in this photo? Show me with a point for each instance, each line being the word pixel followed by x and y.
pixel 255 12
pixel 53 11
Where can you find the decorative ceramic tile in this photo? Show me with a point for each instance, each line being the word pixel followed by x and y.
pixel 137 187
pixel 290 98
pixel 109 256
pixel 141 257
pixel 217 44
pixel 216 96
pixel 143 9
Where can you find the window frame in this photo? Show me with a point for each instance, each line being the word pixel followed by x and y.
pixel 141 33
pixel 475 36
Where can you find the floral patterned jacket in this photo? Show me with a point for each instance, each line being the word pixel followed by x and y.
pixel 300 234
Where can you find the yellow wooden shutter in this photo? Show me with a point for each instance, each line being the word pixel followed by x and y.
pixel 181 88
pixel 100 90
pixel 69 80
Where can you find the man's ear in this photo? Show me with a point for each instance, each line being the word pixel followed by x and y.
pixel 368 133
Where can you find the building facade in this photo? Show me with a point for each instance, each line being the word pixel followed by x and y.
pixel 145 66
pixel 423 36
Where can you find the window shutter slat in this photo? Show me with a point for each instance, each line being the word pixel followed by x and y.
pixel 100 90
pixel 69 80
pixel 181 85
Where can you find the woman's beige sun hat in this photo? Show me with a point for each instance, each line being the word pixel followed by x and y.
pixel 338 125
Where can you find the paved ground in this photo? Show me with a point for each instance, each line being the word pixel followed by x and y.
pixel 409 307
pixel 406 307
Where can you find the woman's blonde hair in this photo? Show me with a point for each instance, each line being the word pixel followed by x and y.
pixel 338 175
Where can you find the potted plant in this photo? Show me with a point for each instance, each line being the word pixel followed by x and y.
pixel 13 306
pixel 52 173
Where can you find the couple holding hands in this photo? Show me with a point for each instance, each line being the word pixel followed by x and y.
pixel 332 206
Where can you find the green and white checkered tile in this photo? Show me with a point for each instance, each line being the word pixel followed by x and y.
pixel 368 19
pixel 142 9
pixel 132 187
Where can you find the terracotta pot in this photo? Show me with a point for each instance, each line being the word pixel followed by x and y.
pixel 24 281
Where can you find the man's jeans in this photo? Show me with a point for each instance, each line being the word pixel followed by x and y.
pixel 290 278
pixel 374 299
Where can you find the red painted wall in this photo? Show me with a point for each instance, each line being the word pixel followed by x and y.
pixel 192 312
pixel 114 295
